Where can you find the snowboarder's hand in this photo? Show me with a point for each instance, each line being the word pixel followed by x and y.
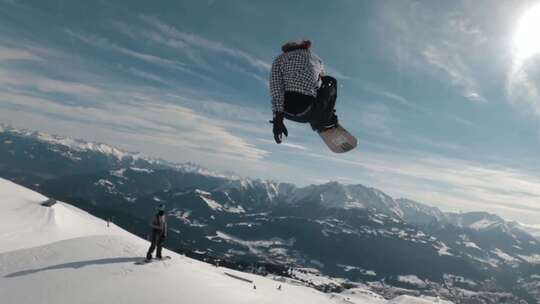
pixel 279 128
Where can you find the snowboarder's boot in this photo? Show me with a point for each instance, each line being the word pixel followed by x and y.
pixel 332 122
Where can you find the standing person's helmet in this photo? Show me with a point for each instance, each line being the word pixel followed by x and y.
pixel 161 209
pixel 296 45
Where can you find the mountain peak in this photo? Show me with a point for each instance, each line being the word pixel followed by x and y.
pixel 73 144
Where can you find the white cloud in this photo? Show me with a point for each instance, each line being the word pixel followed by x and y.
pixel 376 117
pixel 522 91
pixel 465 26
pixel 285 144
pixel 101 42
pixel 385 93
pixel 436 144
pixel 183 117
pixel 407 103
pixel 154 123
pixel 172 37
pixel 242 70
pixel 335 73
pixel 522 77
pixel 23 80
pixel 458 72
pixel 147 75
pixel 16 54
pixel 374 89
pixel 431 40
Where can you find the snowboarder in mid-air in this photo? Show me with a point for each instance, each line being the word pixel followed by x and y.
pixel 158 233
pixel 302 92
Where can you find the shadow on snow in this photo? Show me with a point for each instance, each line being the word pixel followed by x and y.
pixel 75 265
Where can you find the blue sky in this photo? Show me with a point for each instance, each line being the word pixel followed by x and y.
pixel 441 94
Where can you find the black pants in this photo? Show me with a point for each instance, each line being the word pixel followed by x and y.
pixel 318 111
pixel 157 238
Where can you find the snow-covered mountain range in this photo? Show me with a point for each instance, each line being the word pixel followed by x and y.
pixel 358 233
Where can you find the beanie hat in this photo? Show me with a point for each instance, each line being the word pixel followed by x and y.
pixel 296 45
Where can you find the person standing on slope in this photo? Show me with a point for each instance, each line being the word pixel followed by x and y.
pixel 300 90
pixel 158 233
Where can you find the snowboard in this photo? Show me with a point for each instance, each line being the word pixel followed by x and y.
pixel 144 261
pixel 338 139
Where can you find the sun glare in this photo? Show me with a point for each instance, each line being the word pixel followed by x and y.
pixel 527 37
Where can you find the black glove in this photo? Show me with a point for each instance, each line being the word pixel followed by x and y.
pixel 279 128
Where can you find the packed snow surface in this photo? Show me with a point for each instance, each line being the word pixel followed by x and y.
pixel 61 254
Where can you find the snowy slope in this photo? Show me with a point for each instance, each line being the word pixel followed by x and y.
pixel 64 255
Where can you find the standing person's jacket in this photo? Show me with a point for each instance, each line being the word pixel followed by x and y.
pixel 296 71
pixel 159 224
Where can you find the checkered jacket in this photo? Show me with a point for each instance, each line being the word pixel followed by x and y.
pixel 295 71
